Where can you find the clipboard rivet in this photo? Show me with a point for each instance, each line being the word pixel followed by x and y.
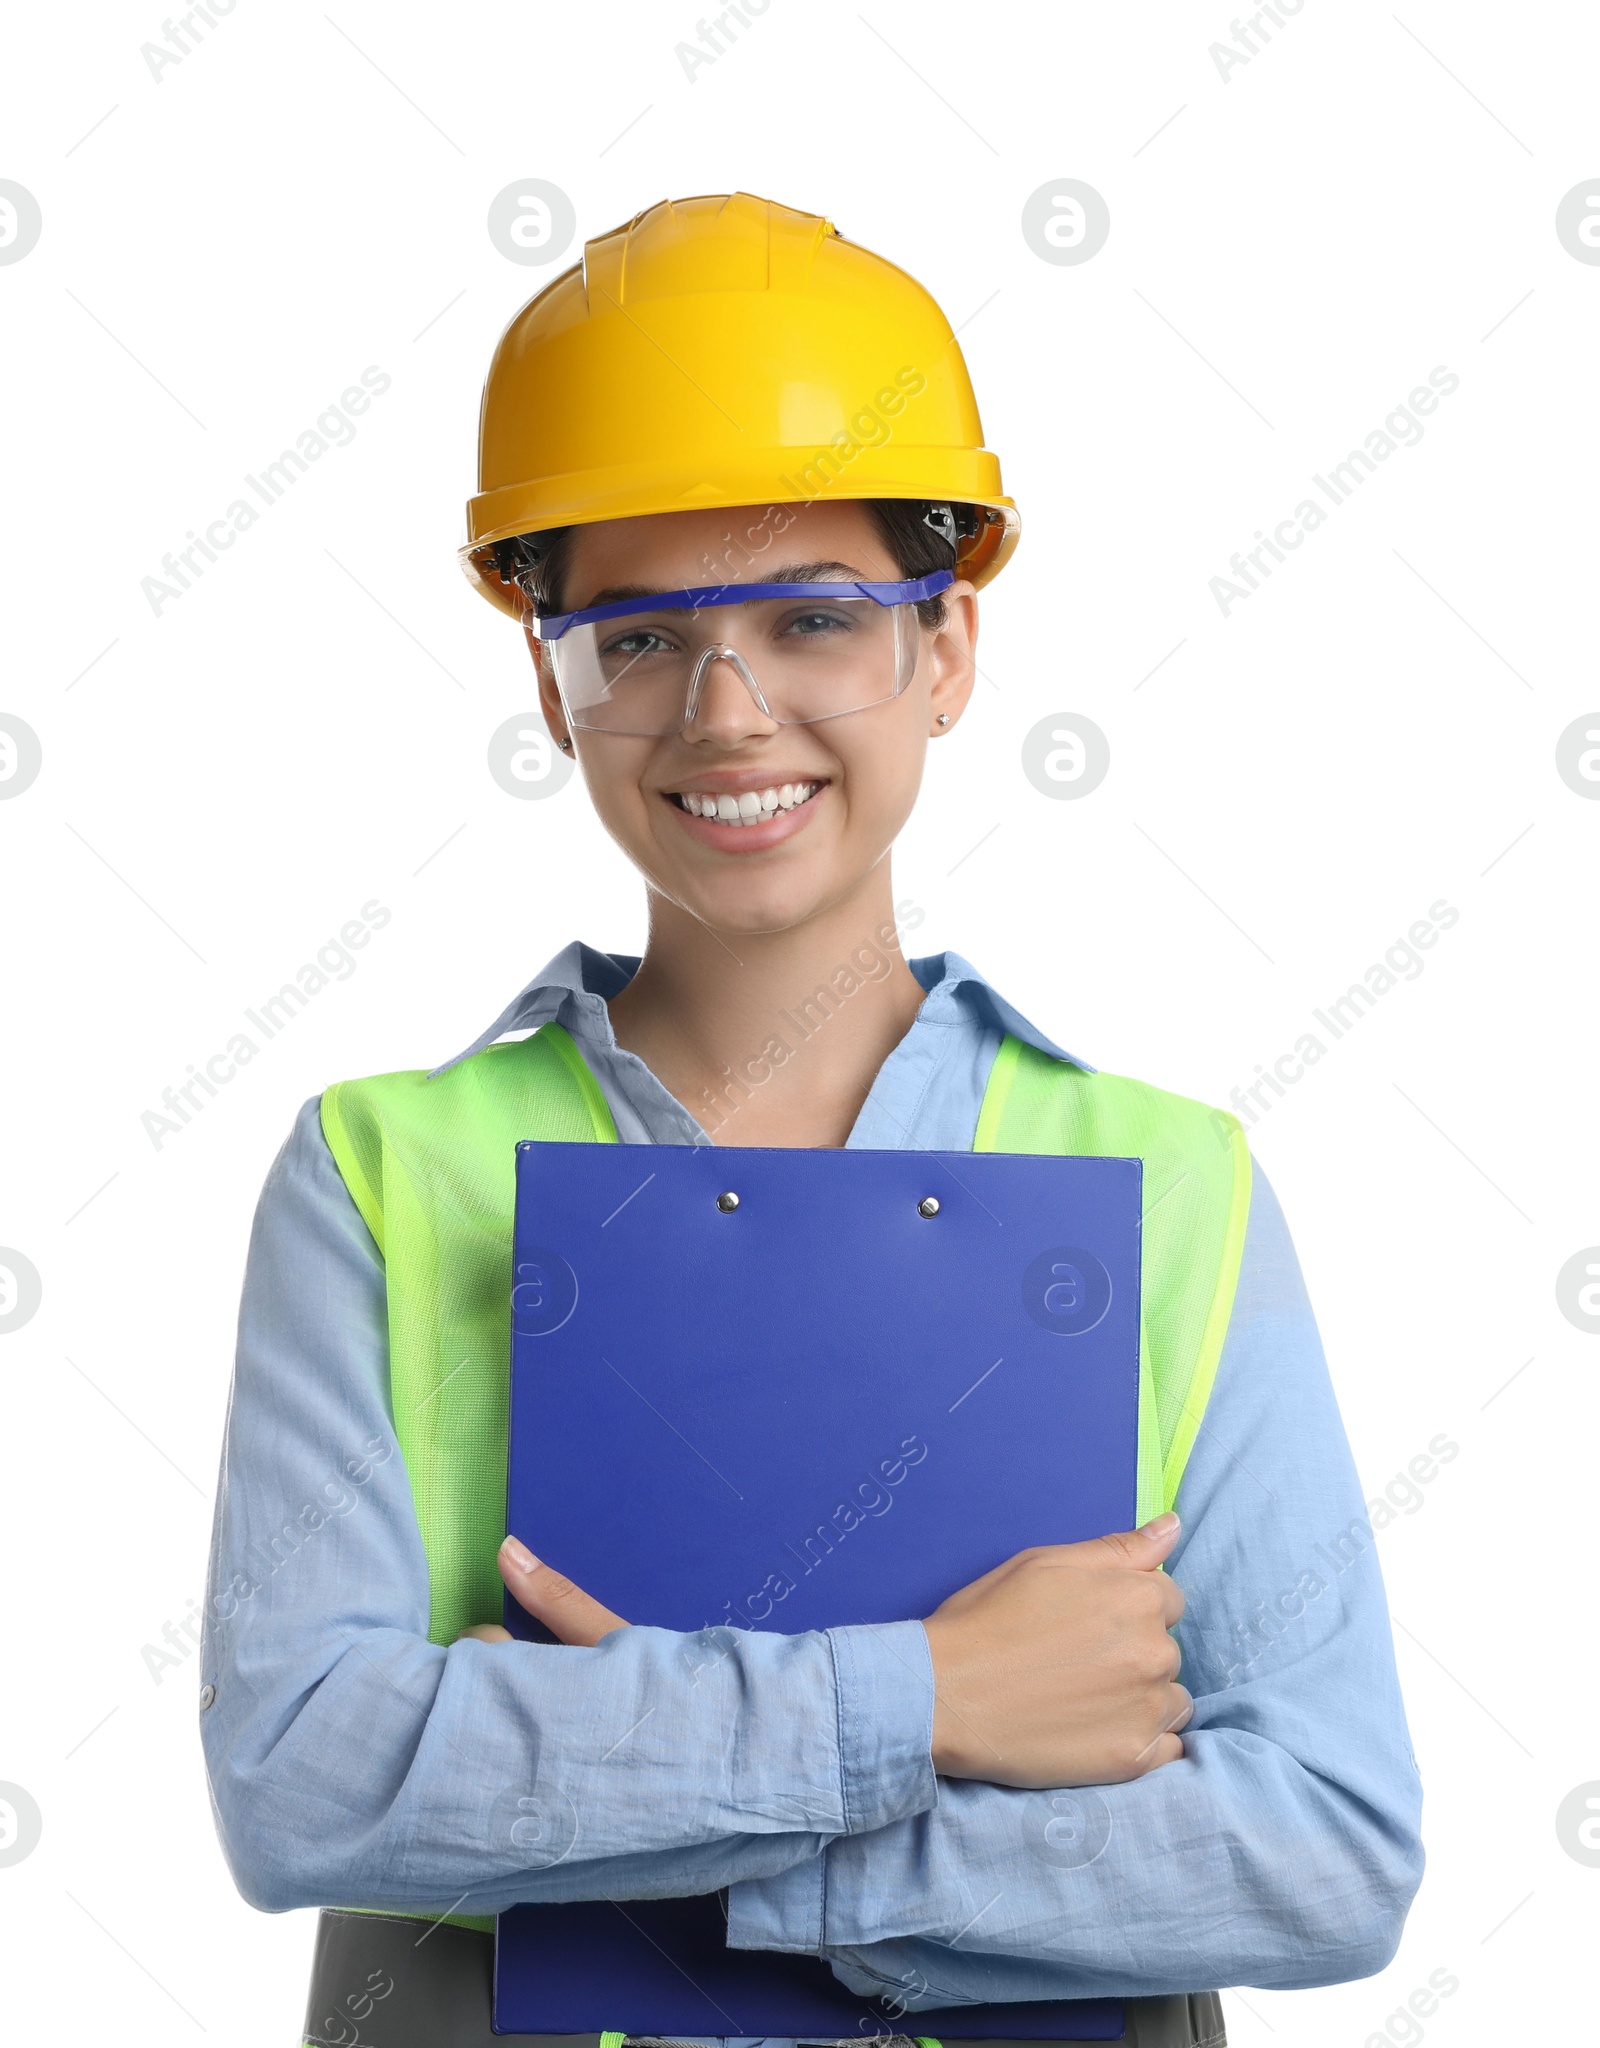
pixel 928 1206
pixel 728 1202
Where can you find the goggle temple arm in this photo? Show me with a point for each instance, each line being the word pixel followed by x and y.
pixel 914 590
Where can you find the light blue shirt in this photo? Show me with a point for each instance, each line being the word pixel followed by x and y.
pixel 354 1763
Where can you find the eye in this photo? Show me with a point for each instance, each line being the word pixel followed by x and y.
pixel 635 644
pixel 813 624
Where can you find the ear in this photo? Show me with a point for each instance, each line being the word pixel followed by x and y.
pixel 951 652
pixel 549 695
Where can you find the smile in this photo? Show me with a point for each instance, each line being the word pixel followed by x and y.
pixel 752 807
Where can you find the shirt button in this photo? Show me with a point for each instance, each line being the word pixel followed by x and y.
pixel 207 1694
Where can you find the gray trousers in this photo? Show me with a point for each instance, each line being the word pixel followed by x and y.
pixel 375 1985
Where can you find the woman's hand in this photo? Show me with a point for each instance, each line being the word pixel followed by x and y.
pixel 1057 1667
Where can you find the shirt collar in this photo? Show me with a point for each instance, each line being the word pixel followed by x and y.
pixel 956 990
pixel 574 988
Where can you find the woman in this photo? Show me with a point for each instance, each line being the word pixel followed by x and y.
pixel 732 483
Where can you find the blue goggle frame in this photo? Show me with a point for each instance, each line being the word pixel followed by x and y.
pixel 914 592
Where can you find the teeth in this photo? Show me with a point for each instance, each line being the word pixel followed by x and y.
pixel 751 806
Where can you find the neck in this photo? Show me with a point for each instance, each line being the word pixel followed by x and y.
pixel 771 1038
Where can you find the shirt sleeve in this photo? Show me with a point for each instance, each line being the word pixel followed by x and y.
pixel 352 1762
pixel 1282 1850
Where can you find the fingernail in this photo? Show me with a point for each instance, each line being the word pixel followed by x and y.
pixel 519 1554
pixel 1163 1525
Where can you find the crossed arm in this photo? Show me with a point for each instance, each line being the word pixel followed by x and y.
pixel 1056 1668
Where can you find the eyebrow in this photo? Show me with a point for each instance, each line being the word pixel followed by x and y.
pixel 788 572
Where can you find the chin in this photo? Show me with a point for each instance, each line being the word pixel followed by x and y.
pixel 748 903
pixel 757 912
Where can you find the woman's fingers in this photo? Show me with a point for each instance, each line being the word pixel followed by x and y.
pixel 565 1609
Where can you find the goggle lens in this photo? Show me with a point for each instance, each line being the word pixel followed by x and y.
pixel 803 656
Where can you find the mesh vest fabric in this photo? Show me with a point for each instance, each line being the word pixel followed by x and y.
pixel 430 1165
pixel 1196 1204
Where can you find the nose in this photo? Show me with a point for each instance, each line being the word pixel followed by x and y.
pixel 724 704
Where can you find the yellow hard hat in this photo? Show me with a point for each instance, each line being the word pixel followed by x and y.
pixel 727 350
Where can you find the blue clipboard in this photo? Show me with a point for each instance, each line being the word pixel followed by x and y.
pixel 795 1389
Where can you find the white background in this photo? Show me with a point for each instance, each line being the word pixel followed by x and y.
pixel 226 784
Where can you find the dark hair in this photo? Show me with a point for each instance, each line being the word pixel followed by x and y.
pixel 539 561
pixel 917 547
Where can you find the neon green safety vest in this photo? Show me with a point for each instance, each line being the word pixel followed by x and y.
pixel 430 1164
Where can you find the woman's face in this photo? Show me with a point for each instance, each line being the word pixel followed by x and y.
pixel 863 768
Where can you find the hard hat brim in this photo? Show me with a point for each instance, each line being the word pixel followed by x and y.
pixel 772 477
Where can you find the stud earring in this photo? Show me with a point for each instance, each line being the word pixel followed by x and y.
pixel 566 746
pixel 944 718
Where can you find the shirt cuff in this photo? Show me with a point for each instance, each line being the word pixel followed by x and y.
pixel 885 1691
pixel 884 1680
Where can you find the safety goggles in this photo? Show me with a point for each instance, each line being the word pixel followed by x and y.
pixel 804 651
